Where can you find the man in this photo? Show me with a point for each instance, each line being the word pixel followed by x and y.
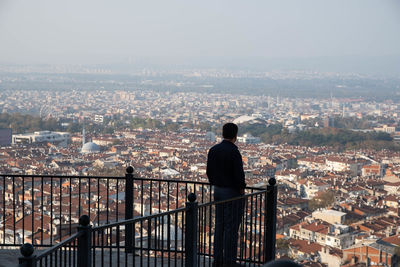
pixel 225 173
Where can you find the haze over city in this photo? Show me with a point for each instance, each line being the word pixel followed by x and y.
pixel 108 111
pixel 357 36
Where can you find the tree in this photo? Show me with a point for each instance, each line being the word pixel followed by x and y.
pixel 324 200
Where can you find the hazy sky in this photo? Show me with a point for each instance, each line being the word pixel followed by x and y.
pixel 86 31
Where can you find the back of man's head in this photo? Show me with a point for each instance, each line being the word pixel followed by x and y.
pixel 229 131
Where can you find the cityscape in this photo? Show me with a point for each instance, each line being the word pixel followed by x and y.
pixel 200 133
pixel 336 198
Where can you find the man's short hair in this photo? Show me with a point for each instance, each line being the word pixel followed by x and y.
pixel 229 130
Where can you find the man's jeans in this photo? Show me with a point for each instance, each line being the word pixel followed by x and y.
pixel 228 217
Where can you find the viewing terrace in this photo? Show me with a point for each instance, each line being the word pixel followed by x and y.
pixel 121 221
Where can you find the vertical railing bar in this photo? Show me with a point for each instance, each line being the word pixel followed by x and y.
pixel 60 257
pixel 169 229
pixel 270 239
pixel 33 210
pixel 210 233
pixel 162 239
pixel 118 246
pixel 126 253
pixel 149 238
pixel 51 214
pixel 108 198
pixel 159 196
pixel 4 209
pixel 98 202
pixel 74 252
pixel 203 223
pixel 41 221
pixel 69 255
pixel 155 241
pixel 102 247
pixel 183 237
pixel 260 230
pixel 176 224
pixel 13 189
pixel 94 247
pixel 110 244
pixel 141 198
pixel 241 232
pixel 116 210
pixel 176 237
pixel 141 242
pixel 246 213
pixel 129 231
pixel 60 213
pixel 88 196
pixel 84 248
pixel 23 209
pixel 79 195
pixel 199 234
pixel 191 223
pixel 251 229
pixel 205 235
pixel 177 196
pixel 186 190
pixel 255 227
pixel 151 197
pixel 70 206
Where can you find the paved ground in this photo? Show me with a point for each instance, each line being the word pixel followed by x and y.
pixel 9 258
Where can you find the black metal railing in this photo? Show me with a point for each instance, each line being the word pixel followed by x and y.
pixel 44 209
pixel 179 237
pixel 73 251
pixel 136 220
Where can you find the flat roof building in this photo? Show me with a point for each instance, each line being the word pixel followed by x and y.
pixel 41 136
pixel 330 216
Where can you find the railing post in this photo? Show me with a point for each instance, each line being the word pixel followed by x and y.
pixel 270 220
pixel 84 242
pixel 129 209
pixel 191 232
pixel 28 260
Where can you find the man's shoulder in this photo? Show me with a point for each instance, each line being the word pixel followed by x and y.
pixel 215 147
pixel 226 146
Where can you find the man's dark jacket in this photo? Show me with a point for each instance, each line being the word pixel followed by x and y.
pixel 225 166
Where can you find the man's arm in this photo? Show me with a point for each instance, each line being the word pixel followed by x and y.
pixel 238 172
pixel 209 167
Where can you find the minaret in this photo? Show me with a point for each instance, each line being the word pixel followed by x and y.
pixel 83 135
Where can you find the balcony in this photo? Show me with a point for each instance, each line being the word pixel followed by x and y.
pixel 86 220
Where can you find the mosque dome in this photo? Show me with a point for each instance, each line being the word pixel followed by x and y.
pixel 90 147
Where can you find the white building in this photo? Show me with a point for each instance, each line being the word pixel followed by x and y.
pixel 99 118
pixel 330 216
pixel 385 129
pixel 248 139
pixel 41 136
